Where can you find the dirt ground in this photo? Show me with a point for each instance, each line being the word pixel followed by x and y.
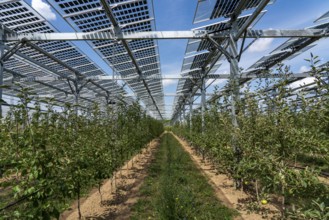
pixel 118 194
pixel 324 180
pixel 121 193
pixel 224 188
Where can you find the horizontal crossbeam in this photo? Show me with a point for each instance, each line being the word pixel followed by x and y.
pixel 193 34
pixel 211 76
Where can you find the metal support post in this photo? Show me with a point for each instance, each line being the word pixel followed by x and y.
pixel 1 65
pixel 272 107
pixel 107 99
pixel 76 102
pixel 234 71
pixel 235 98
pixel 76 92
pixel 191 112
pixel 184 114
pixel 88 110
pixel 203 104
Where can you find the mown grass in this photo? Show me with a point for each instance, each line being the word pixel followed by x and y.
pixel 175 188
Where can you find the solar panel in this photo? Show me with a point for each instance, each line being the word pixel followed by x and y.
pixel 198 55
pixel 199 45
pixel 269 60
pixel 325 16
pixel 289 49
pixel 131 16
pixel 135 61
pixel 211 9
pixel 20 17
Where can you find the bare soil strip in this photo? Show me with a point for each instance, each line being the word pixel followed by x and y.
pixel 225 190
pixel 118 194
pixel 324 180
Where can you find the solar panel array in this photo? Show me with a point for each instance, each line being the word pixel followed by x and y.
pixel 132 15
pixel 288 50
pixel 212 9
pixel 66 60
pixel 22 18
pixel 199 56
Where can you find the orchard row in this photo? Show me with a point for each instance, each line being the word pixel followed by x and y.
pixel 273 137
pixel 48 159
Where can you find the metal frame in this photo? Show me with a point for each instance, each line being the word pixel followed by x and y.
pixel 132 41
pixel 220 42
pixel 162 35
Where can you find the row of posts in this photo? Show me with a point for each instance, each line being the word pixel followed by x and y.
pixel 203 107
pixel 233 58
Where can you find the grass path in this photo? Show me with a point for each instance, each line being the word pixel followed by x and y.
pixel 175 188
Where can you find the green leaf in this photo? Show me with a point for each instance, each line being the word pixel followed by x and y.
pixel 16 189
pixel 5 87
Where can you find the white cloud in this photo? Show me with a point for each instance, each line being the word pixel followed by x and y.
pixel 44 9
pixel 299 83
pixel 169 82
pixel 172 74
pixel 173 79
pixel 260 45
pixel 304 69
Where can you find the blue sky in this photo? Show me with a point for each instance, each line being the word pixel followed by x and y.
pixel 178 15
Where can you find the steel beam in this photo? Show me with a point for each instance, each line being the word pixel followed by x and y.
pixel 11 51
pixel 191 112
pixel 184 111
pixel 308 33
pixel 161 35
pixel 2 52
pixel 234 72
pixel 252 18
pixel 203 104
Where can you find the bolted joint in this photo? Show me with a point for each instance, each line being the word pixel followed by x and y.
pixel 24 40
pixel 220 48
pixel 117 30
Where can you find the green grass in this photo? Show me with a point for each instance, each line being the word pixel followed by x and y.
pixel 175 188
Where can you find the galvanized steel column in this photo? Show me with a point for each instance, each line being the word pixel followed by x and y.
pixel 234 72
pixel 191 111
pixel 184 111
pixel 235 98
pixel 1 66
pixel 203 104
